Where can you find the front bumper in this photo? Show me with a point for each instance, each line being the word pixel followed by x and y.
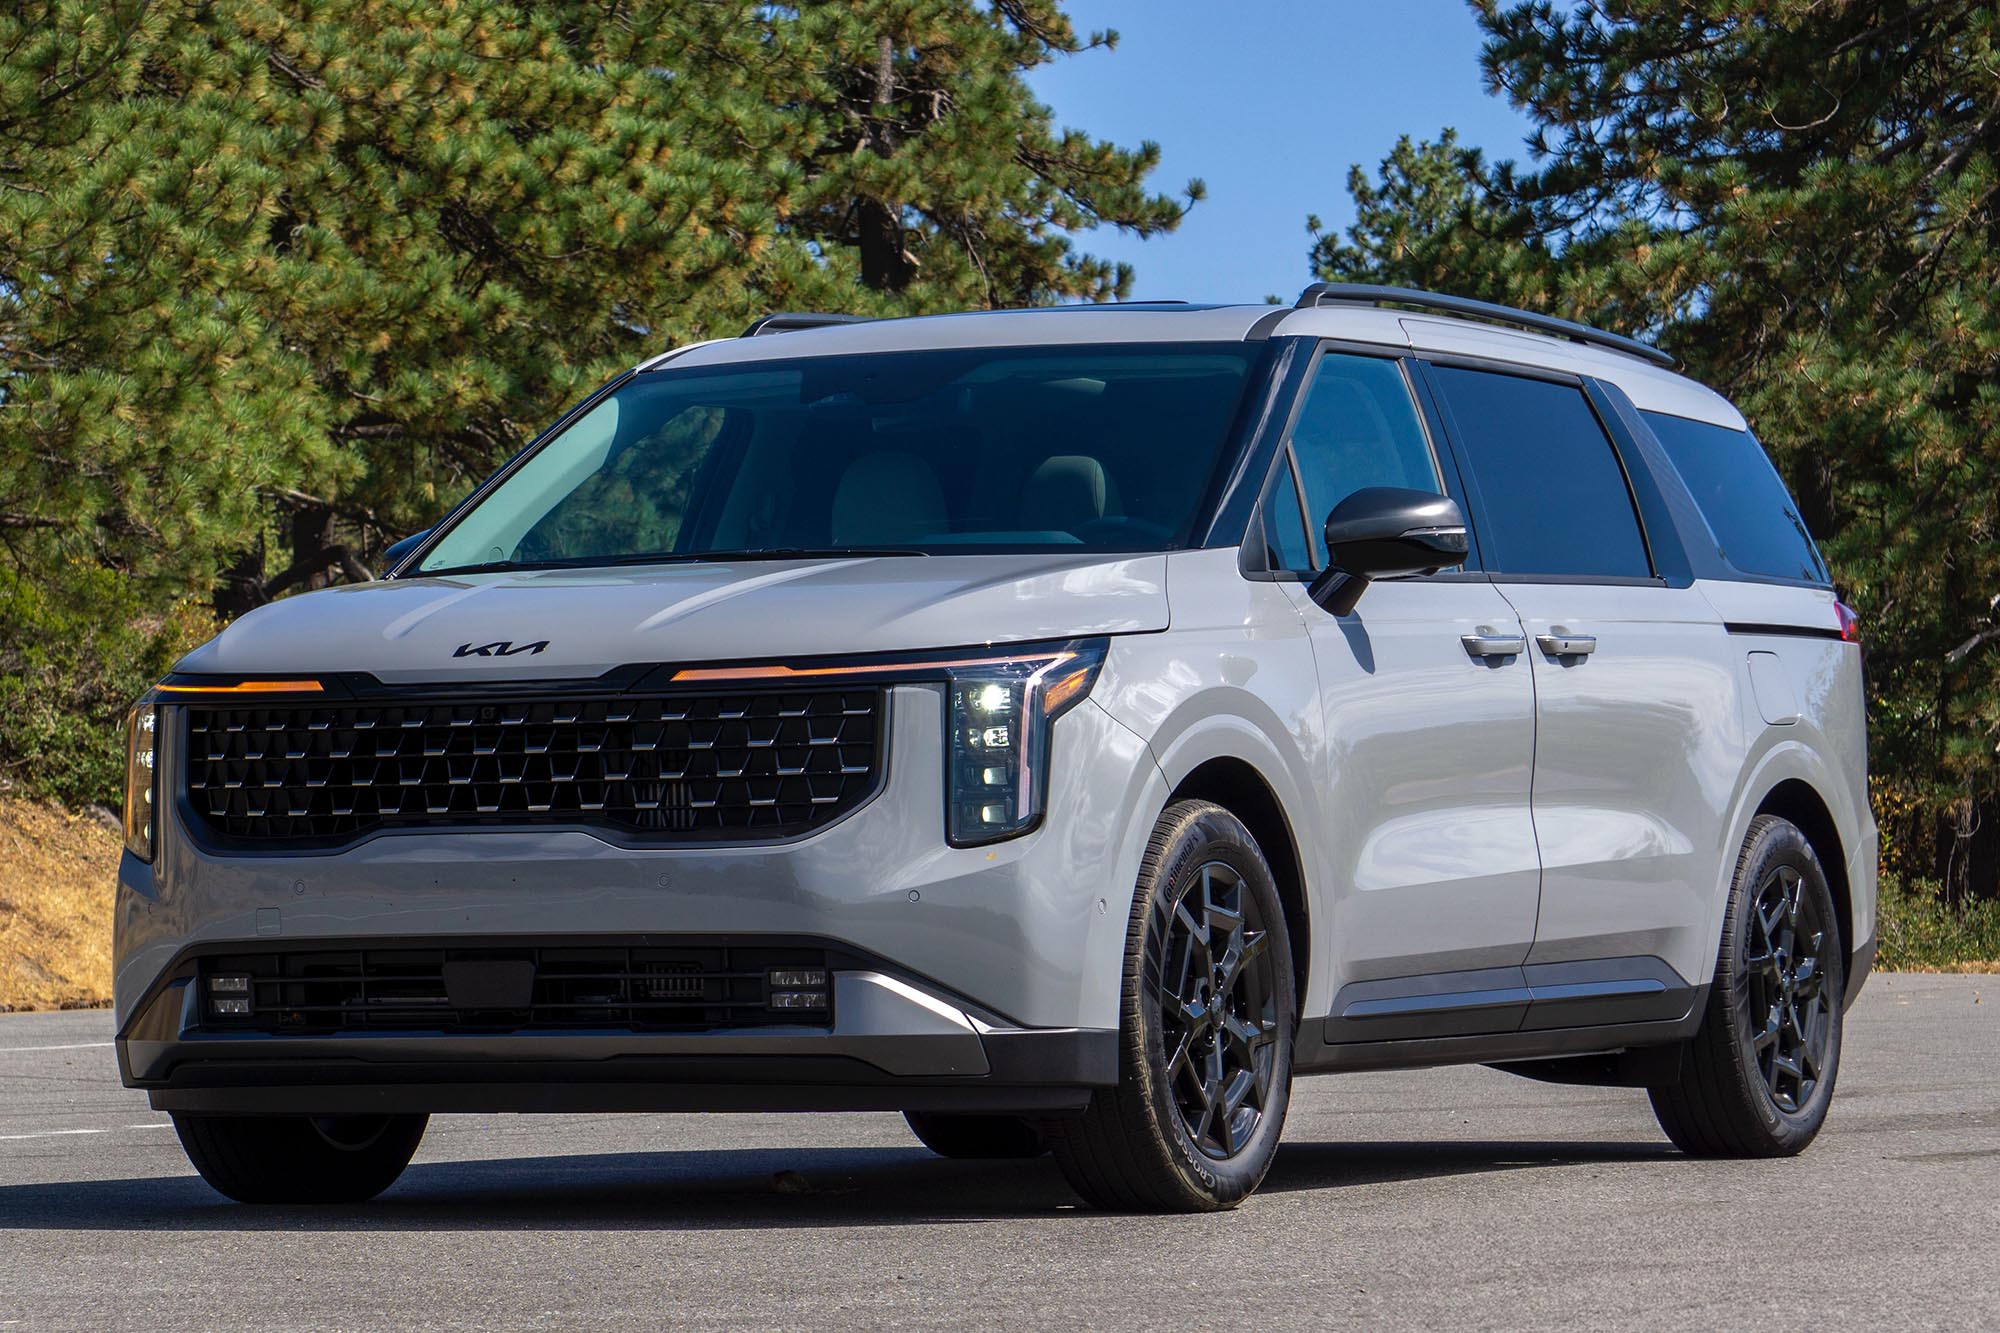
pixel 893 1045
pixel 993 973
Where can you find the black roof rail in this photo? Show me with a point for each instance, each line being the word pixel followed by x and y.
pixel 1367 293
pixel 789 321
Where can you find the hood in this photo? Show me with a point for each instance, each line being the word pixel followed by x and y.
pixel 585 622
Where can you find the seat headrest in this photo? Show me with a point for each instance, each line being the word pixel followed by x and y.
pixel 889 498
pixel 1064 493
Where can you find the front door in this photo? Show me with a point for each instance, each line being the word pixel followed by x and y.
pixel 1429 727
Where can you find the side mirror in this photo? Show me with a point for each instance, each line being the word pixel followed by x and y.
pixel 397 550
pixel 1380 532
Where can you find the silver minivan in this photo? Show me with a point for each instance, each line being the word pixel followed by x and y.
pixel 1062 726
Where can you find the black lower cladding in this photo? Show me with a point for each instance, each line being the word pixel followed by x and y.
pixel 542 988
pixel 663 766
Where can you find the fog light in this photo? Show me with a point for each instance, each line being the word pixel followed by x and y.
pixel 229 985
pixel 798 999
pixel 794 978
pixel 229 1008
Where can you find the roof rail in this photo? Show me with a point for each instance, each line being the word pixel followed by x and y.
pixel 1365 293
pixel 788 321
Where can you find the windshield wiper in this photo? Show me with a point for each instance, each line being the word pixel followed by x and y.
pixel 804 553
pixel 673 558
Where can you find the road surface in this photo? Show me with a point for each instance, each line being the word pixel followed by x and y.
pixel 1460 1197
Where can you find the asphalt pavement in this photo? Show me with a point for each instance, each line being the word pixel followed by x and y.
pixel 1455 1197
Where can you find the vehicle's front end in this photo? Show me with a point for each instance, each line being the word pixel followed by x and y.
pixel 757 886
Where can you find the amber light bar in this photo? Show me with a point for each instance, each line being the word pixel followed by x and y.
pixel 246 687
pixel 859 669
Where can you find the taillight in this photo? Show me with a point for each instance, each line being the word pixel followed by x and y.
pixel 1850 624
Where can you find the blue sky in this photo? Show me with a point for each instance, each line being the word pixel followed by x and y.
pixel 1270 102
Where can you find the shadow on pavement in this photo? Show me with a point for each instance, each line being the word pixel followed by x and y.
pixel 735 1188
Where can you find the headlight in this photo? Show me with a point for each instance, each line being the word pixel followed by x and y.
pixel 998 716
pixel 140 779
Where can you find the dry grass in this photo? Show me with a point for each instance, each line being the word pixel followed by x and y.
pixel 58 871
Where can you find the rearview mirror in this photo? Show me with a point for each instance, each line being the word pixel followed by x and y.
pixel 1380 532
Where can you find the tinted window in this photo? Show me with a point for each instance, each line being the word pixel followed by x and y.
pixel 1553 498
pixel 1746 505
pixel 1285 526
pixel 1358 428
pixel 1106 448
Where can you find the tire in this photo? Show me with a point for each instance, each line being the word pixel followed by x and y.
pixel 977 1137
pixel 1757 1077
pixel 1154 1142
pixel 299 1159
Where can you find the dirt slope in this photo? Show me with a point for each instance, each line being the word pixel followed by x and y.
pixel 57 871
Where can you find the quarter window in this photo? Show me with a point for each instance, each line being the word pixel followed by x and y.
pixel 1756 525
pixel 1284 524
pixel 1552 495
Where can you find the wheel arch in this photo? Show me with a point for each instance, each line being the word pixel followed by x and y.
pixel 1797 802
pixel 1237 786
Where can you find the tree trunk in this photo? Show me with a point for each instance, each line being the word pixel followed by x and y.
pixel 241 587
pixel 885 261
pixel 1968 849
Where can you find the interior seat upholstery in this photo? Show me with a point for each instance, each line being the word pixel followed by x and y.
pixel 1064 493
pixel 887 498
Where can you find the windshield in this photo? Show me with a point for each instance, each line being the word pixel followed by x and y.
pixel 1098 448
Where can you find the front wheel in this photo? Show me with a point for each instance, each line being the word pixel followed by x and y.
pixel 1757 1077
pixel 300 1159
pixel 1205 1063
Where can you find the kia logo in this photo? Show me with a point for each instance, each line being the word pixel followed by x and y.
pixel 504 648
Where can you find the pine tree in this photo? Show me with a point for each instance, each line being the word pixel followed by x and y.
pixel 1802 200
pixel 279 279
pixel 935 168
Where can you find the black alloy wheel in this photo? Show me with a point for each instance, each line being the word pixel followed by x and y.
pixel 1790 1013
pixel 1219 1010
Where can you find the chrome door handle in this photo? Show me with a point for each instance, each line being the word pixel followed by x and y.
pixel 1488 643
pixel 1559 642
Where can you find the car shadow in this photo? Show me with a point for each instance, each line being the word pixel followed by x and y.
pixel 720 1190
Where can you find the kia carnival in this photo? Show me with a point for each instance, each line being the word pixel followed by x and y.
pixel 1064 727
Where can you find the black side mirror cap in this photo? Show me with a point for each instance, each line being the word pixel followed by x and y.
pixel 397 550
pixel 1382 531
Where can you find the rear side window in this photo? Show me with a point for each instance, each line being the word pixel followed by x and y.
pixel 1358 428
pixel 1552 494
pixel 1754 521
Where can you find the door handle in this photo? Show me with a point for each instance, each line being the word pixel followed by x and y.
pixel 1489 643
pixel 1559 642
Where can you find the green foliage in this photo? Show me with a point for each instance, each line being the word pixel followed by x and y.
pixel 1917 929
pixel 1802 200
pixel 279 279
pixel 73 654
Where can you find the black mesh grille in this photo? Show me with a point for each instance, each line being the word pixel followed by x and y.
pixel 614 988
pixel 690 766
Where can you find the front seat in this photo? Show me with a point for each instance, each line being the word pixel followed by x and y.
pixel 1064 493
pixel 889 498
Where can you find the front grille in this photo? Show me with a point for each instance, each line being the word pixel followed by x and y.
pixel 751 765
pixel 508 990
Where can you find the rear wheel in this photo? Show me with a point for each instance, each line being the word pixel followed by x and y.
pixel 300 1159
pixel 1205 1065
pixel 977 1137
pixel 1757 1078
